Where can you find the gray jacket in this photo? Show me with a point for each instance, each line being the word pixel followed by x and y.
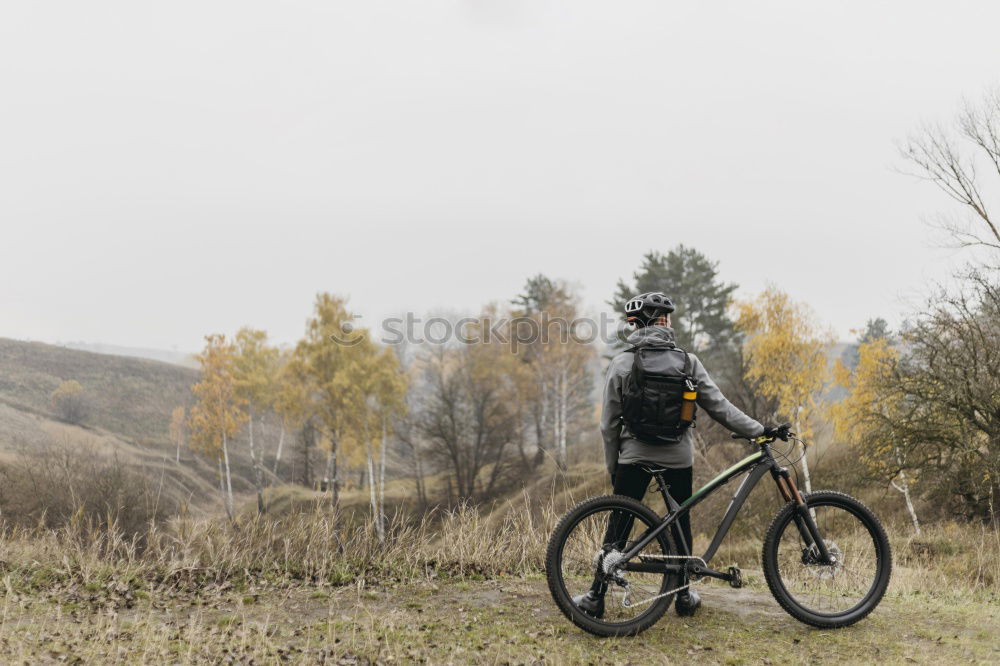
pixel 621 447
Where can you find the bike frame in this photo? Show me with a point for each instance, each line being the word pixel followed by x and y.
pixel 757 464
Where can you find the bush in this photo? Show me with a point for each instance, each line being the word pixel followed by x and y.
pixel 64 481
pixel 70 402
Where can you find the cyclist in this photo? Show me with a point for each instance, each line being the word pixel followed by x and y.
pixel 628 458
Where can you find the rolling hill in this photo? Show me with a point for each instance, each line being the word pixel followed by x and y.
pixel 130 401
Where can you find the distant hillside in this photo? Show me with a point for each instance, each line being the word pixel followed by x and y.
pixel 129 396
pixel 186 359
pixel 131 401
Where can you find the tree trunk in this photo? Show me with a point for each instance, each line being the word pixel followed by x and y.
pixel 222 490
pixel 258 482
pixel 562 407
pixel 418 473
pixel 331 473
pixel 277 454
pixel 543 423
pixel 805 460
pixel 381 488
pixel 229 479
pixel 307 437
pixel 334 481
pixel 371 493
pixel 177 458
pixel 904 487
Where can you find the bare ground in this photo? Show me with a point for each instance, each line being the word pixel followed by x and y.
pixel 502 621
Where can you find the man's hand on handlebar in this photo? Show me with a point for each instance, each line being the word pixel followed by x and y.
pixel 771 433
pixel 778 432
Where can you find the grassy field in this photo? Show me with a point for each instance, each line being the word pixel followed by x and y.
pixel 463 587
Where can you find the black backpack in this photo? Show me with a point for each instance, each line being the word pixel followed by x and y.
pixel 658 402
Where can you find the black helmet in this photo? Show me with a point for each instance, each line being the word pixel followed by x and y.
pixel 645 308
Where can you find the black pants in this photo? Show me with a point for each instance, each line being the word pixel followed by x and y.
pixel 632 481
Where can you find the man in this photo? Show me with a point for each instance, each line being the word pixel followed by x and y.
pixel 649 313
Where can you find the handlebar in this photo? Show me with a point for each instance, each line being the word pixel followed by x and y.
pixel 781 432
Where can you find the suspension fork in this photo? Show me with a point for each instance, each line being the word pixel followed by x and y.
pixel 803 517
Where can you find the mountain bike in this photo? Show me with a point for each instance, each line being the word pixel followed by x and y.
pixel 825 557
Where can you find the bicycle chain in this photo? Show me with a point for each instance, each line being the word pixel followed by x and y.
pixel 628 589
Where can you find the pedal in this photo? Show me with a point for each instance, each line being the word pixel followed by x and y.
pixel 735 577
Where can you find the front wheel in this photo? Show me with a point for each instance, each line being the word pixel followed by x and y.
pixel 816 592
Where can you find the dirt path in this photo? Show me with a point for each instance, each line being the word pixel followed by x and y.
pixel 506 621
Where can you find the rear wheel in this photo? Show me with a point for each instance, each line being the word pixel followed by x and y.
pixel 818 593
pixel 601 528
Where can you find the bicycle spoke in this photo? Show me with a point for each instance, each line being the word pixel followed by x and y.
pixel 824 588
pixel 602 532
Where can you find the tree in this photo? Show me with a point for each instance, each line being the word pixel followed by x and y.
pixel 868 417
pixel 875 329
pixel 319 362
pixel 948 381
pixel 178 428
pixel 290 402
pixel 374 390
pixel 785 358
pixel 220 411
pixel 950 158
pixel 255 369
pixel 701 321
pixel 70 402
pixel 559 397
pixel 465 414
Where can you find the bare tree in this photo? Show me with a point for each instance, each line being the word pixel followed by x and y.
pixel 949 157
pixel 465 417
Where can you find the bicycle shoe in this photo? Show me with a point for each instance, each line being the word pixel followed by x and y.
pixel 590 603
pixel 688 602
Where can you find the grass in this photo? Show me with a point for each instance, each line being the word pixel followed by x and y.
pixel 462 586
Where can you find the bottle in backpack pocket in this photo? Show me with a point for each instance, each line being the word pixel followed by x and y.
pixel 688 402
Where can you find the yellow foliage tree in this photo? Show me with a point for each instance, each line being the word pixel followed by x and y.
pixel 69 401
pixel 867 415
pixel 373 388
pixel 290 400
pixel 255 370
pixel 319 362
pixel 220 411
pixel 785 356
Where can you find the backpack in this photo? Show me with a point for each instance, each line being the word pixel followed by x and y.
pixel 658 401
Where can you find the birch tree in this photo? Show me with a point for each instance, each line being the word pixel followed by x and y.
pixel 255 369
pixel 559 361
pixel 374 388
pixel 219 412
pixel 178 427
pixel 320 360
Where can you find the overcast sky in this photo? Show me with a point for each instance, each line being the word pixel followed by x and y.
pixel 173 169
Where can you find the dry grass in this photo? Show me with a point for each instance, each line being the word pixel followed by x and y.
pixel 455 586
pixel 323 548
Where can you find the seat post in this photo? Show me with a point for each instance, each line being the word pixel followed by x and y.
pixel 662 486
